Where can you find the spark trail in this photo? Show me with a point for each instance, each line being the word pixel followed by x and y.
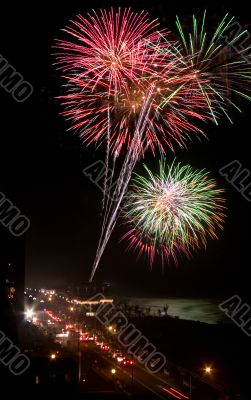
pixel 123 181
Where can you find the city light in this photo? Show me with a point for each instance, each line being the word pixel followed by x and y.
pixel 113 371
pixel 92 302
pixel 29 314
pixel 90 314
pixel 53 356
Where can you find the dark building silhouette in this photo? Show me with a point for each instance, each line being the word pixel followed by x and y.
pixel 12 270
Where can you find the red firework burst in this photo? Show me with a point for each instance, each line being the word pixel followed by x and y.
pixel 121 73
pixel 110 46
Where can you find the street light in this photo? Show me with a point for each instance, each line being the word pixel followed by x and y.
pixel 208 370
pixel 53 356
pixel 132 381
pixel 79 353
pixel 29 314
pixel 113 371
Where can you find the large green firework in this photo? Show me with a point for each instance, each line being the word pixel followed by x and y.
pixel 173 211
pixel 220 62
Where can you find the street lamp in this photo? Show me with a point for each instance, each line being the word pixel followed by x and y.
pixel 29 314
pixel 79 354
pixel 132 381
pixel 53 356
pixel 208 370
pixel 113 371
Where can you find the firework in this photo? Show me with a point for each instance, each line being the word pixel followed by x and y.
pixel 219 63
pixel 128 86
pixel 117 61
pixel 172 110
pixel 108 47
pixel 173 212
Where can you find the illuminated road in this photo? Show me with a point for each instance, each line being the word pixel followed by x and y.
pixel 58 313
pixel 145 385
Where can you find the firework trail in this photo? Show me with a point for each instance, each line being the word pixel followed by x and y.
pixel 172 212
pixel 122 184
pixel 220 66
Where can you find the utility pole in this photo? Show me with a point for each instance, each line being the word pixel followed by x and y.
pixel 132 382
pixel 79 354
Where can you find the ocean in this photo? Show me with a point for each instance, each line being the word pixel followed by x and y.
pixel 203 310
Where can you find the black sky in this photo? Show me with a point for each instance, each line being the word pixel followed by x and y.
pixel 41 166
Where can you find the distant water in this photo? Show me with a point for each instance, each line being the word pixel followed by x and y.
pixel 203 310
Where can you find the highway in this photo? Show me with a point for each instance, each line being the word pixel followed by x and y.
pixel 100 371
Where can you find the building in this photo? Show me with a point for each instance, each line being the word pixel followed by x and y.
pixel 12 271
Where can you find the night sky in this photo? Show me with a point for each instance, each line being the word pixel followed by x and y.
pixel 42 163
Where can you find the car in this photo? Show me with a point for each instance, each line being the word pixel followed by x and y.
pixel 116 353
pixel 119 358
pixel 105 347
pixel 127 362
pixel 84 338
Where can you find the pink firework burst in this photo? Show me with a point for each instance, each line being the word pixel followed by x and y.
pixel 107 46
pixel 121 77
